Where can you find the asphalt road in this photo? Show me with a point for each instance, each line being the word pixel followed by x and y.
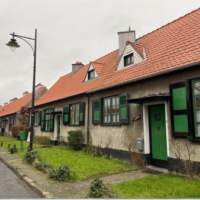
pixel 12 187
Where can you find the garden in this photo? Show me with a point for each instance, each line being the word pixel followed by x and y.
pixel 78 164
pixel 159 186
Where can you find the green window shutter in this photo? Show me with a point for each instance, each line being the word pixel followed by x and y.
pixel 39 117
pixel 123 109
pixel 42 121
pixel 81 113
pixel 96 112
pixel 66 115
pixel 179 110
pixel 51 128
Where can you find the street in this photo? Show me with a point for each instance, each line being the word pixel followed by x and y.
pixel 12 187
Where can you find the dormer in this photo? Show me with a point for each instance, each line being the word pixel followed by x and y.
pixel 128 53
pixel 91 73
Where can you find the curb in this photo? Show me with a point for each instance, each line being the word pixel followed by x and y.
pixel 27 180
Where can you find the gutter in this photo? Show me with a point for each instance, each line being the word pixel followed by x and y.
pixel 123 83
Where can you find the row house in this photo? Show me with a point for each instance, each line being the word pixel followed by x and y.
pixel 143 97
pixel 11 113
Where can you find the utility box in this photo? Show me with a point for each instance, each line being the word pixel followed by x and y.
pixel 139 144
pixel 22 136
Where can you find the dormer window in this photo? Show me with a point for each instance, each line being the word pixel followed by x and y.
pixel 128 59
pixel 91 73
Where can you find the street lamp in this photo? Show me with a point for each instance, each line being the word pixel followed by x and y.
pixel 13 45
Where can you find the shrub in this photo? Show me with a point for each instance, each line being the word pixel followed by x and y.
pixel 30 156
pixel 41 166
pixel 60 174
pixel 43 140
pixel 98 189
pixel 13 149
pixel 75 140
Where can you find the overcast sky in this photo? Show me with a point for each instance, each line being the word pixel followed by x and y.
pixel 72 30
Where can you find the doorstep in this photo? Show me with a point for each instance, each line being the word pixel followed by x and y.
pixel 155 169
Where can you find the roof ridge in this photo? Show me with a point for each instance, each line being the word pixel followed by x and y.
pixel 171 22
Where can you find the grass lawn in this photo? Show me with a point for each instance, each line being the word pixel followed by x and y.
pixel 159 186
pixel 10 140
pixel 83 165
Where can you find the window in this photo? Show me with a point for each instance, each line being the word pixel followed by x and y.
pixel 179 109
pixel 37 118
pixel 47 120
pixel 91 74
pixel 196 106
pixel 74 114
pixel 111 110
pixel 128 59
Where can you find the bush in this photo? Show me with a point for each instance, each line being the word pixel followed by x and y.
pixel 43 140
pixel 98 189
pixel 75 140
pixel 13 149
pixel 60 174
pixel 30 156
pixel 41 166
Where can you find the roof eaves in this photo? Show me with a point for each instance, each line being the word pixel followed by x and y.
pixel 146 77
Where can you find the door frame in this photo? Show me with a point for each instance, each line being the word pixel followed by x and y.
pixel 146 125
pixel 55 133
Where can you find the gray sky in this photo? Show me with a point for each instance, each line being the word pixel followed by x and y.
pixel 72 30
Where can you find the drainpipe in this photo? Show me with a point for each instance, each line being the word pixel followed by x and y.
pixel 88 119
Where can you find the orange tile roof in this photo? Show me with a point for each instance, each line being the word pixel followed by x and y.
pixel 170 47
pixel 17 105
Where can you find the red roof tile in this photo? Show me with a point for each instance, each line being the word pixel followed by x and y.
pixel 170 47
pixel 17 105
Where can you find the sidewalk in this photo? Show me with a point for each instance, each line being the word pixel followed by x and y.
pixel 53 189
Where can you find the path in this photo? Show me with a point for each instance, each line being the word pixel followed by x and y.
pixel 12 187
pixel 66 189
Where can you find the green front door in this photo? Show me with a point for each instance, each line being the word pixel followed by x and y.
pixel 158 132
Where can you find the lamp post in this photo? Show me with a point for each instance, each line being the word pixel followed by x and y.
pixel 13 45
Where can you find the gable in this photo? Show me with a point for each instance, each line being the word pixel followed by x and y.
pixel 129 50
pixel 91 73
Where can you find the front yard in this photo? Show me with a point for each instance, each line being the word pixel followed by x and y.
pixel 82 164
pixel 159 186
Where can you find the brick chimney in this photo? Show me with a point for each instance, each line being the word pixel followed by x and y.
pixel 12 100
pixel 25 93
pixel 76 66
pixel 125 36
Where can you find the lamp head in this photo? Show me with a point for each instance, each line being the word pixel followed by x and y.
pixel 13 44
